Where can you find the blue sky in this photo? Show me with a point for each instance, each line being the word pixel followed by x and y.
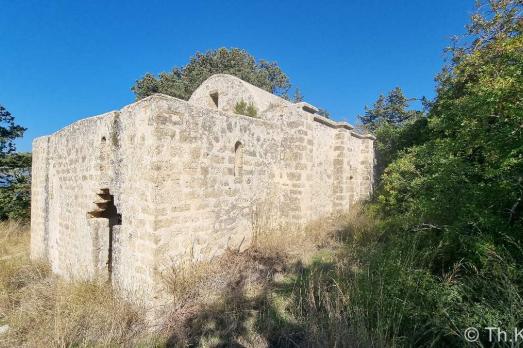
pixel 61 61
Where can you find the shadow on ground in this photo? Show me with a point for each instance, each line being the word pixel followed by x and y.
pixel 261 306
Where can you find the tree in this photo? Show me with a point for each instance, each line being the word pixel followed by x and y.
pixel 449 247
pixel 396 127
pixel 298 96
pixel 15 186
pixel 9 131
pixel 181 82
pixel 392 109
pixel 455 198
pixel 471 166
pixel 493 20
pixel 14 170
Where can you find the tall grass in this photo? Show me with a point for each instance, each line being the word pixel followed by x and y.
pixel 43 311
pixel 381 290
pixel 228 300
pixel 236 299
pixel 350 280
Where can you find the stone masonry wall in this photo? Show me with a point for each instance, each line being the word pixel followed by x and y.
pixel 71 167
pixel 127 194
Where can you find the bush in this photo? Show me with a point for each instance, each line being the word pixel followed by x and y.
pixel 242 108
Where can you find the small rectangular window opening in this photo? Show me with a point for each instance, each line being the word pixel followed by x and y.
pixel 214 97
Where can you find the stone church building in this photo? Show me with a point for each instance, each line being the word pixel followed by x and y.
pixel 125 194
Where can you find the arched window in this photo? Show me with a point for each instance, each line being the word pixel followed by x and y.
pixel 238 159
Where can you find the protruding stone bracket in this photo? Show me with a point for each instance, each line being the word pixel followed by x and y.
pixel 363 136
pixel 103 201
pixel 307 107
pixel 331 123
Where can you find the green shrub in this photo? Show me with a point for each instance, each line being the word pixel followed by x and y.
pixel 242 108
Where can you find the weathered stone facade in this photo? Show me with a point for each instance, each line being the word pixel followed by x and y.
pixel 125 194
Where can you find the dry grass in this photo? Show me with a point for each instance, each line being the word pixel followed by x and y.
pixel 15 271
pixel 213 302
pixel 14 240
pixel 298 244
pixel 43 311
pixel 250 299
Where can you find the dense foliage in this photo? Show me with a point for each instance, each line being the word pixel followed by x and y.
pixel 449 247
pixel 181 82
pixel 395 125
pixel 14 171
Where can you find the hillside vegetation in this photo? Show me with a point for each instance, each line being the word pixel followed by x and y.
pixel 283 291
pixel 438 248
pixel 449 199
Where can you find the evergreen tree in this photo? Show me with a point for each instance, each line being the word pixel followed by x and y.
pixel 395 125
pixel 14 170
pixel 181 82
pixel 391 109
pixel 298 96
